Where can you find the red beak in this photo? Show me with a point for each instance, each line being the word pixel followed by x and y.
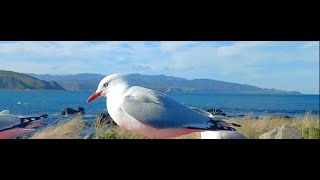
pixel 94 96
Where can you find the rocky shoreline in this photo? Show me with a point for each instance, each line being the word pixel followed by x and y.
pixel 103 123
pixel 214 111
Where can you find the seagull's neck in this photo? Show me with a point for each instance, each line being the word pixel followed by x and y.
pixel 115 97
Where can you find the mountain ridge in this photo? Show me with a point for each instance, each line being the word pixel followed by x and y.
pixel 11 80
pixel 89 81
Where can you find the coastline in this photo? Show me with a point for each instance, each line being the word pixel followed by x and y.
pixel 25 102
pixel 33 90
pixel 222 93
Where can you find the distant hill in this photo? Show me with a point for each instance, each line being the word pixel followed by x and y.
pixel 89 82
pixel 18 81
pixel 78 82
pixel 174 84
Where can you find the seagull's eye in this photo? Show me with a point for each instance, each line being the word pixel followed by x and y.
pixel 105 85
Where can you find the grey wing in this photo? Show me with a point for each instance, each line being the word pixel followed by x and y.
pixel 159 111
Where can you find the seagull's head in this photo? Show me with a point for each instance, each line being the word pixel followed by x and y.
pixel 105 85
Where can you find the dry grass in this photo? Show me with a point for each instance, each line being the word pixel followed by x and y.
pixel 117 132
pixel 308 125
pixel 121 133
pixel 71 129
pixel 252 128
pixel 107 131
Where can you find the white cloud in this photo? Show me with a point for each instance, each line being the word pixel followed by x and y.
pixel 61 48
pixel 27 67
pixel 311 44
pixel 239 47
pixel 244 62
pixel 172 46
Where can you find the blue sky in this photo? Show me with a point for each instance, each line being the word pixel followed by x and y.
pixel 280 65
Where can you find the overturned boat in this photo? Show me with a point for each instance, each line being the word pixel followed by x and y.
pixel 12 125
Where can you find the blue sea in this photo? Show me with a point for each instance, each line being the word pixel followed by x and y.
pixel 31 103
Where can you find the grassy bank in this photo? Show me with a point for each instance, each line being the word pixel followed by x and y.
pixel 71 129
pixel 308 125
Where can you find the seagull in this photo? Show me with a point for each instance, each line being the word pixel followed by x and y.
pixel 152 113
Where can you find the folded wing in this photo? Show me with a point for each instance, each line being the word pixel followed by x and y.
pixel 159 111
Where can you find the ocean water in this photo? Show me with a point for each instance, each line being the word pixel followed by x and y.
pixel 30 103
pixel 252 104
